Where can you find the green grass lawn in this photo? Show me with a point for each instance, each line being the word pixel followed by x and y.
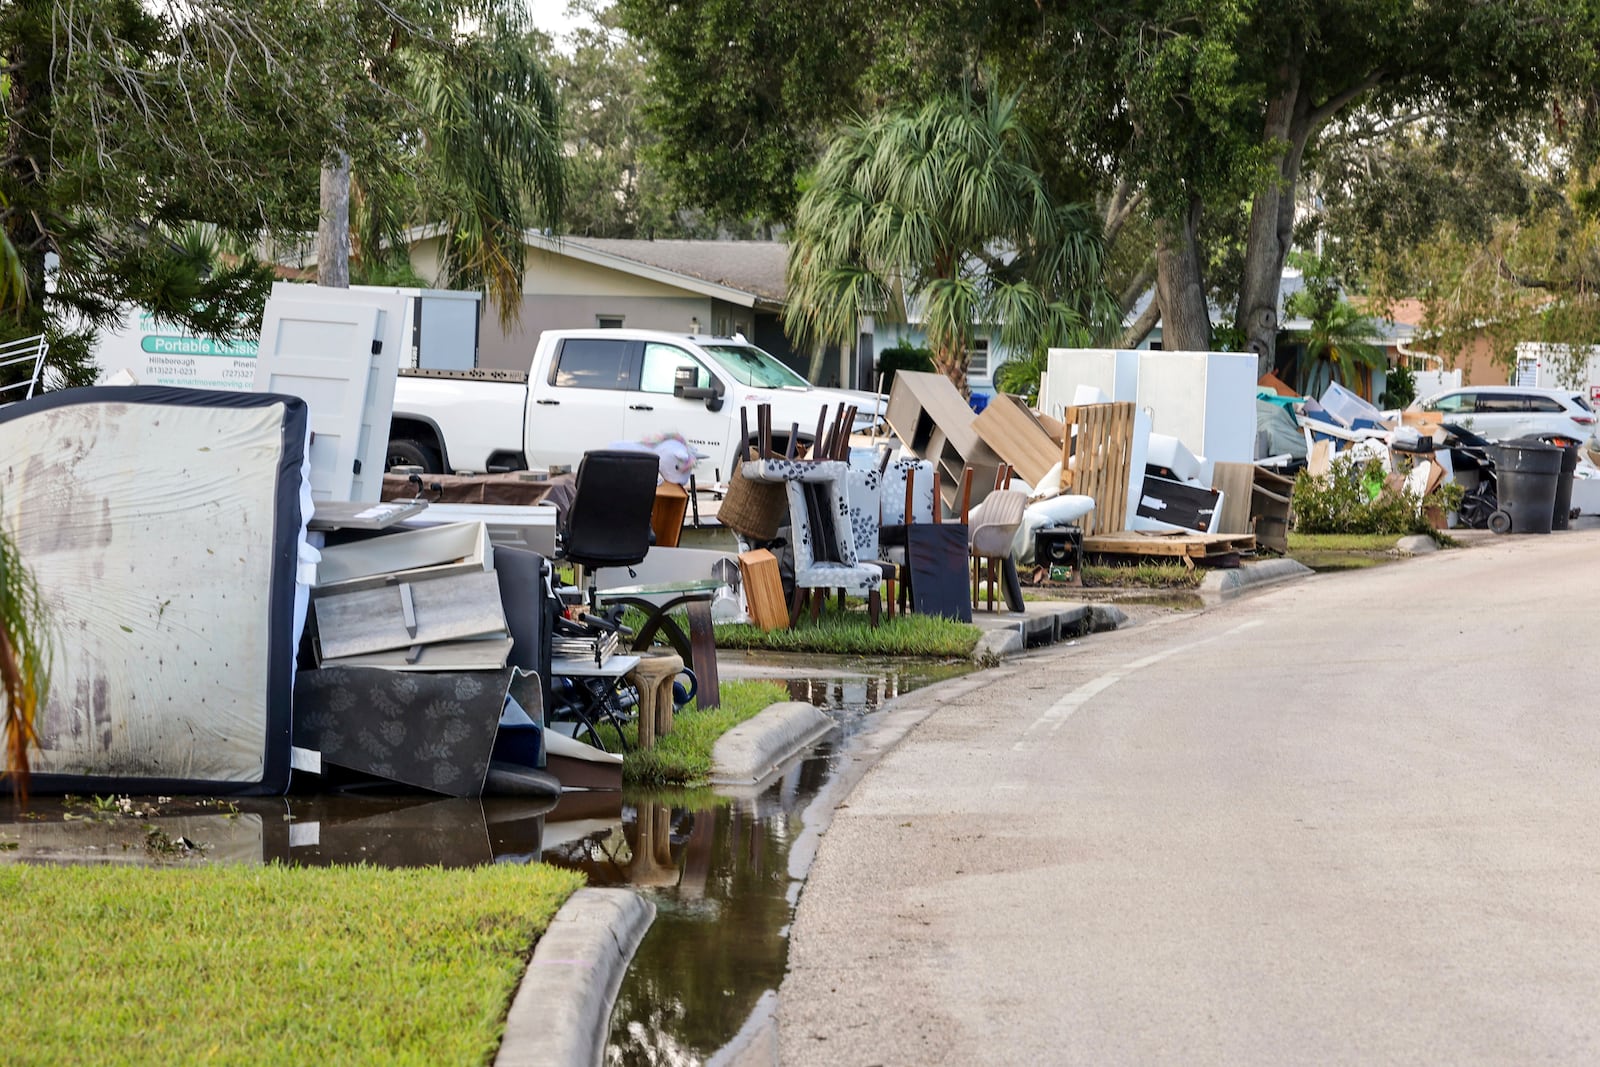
pixel 683 757
pixel 1142 576
pixel 849 633
pixel 1342 552
pixel 1299 542
pixel 291 965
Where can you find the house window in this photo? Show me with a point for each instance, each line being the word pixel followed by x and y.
pixel 978 358
pixel 590 363
pixel 608 322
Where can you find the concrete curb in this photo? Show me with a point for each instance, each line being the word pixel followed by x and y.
pixel 1230 583
pixel 1416 545
pixel 756 747
pixel 1047 628
pixel 562 1010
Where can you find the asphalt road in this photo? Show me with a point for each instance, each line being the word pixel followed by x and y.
pixel 1355 819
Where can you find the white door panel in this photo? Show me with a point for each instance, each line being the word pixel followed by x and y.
pixel 341 358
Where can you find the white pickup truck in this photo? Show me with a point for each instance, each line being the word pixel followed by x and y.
pixel 590 388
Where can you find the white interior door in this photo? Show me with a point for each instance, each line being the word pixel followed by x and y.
pixel 323 353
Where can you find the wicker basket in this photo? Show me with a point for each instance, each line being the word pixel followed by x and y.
pixel 753 510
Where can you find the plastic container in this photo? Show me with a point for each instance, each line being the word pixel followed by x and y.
pixel 1526 474
pixel 1562 517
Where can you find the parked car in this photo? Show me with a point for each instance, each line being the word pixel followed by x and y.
pixel 586 389
pixel 1501 412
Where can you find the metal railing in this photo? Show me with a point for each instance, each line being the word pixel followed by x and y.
pixel 21 353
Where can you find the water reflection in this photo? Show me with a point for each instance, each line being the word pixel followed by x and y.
pixel 724 898
pixel 718 867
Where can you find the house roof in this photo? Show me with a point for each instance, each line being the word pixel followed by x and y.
pixel 748 273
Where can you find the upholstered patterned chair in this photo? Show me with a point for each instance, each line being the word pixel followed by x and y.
pixel 894 518
pixel 865 491
pixel 821 535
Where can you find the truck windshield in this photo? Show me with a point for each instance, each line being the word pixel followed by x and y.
pixel 751 366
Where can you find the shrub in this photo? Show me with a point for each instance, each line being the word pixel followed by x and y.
pixel 903 357
pixel 1354 499
pixel 1399 388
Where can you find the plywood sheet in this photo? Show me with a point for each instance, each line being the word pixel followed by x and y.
pixel 1235 481
pixel 1014 435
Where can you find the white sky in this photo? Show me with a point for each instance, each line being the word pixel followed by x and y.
pixel 551 16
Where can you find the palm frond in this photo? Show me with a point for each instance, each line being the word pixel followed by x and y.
pixel 25 657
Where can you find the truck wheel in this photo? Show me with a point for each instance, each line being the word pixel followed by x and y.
pixel 404 452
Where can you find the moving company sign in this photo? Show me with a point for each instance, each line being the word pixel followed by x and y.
pixel 160 355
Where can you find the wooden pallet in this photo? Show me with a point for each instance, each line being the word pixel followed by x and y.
pixel 1190 548
pixel 1095 457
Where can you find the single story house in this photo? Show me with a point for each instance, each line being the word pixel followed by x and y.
pixel 709 287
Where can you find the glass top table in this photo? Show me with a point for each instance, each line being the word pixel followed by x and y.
pixel 699 647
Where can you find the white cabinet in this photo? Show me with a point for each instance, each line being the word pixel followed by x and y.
pixel 1207 400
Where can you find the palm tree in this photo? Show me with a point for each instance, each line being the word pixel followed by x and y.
pixel 487 152
pixel 1340 336
pixel 492 137
pixel 24 661
pixel 944 206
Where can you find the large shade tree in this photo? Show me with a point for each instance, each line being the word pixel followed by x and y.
pixel 942 207
pixel 126 123
pixel 1496 231
pixel 1185 108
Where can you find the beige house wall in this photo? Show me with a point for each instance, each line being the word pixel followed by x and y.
pixel 1476 363
pixel 513 349
pixel 563 293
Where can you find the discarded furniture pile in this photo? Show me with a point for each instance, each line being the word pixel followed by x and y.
pixel 847 519
pixel 233 609
pixel 1524 485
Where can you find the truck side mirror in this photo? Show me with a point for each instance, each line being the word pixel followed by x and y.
pixel 684 387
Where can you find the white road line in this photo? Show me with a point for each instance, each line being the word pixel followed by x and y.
pixel 1063 709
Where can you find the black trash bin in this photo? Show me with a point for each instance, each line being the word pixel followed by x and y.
pixel 1526 473
pixel 1562 517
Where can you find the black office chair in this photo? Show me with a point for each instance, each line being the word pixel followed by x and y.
pixel 608 522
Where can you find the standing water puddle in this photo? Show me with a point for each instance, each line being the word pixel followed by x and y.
pixel 724 871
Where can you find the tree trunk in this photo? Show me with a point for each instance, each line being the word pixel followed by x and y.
pixel 1271 232
pixel 953 365
pixel 333 226
pixel 1180 289
pixel 1140 328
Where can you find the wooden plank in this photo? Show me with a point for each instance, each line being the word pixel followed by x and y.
pixel 1236 482
pixel 763 589
pixel 1011 430
pixel 1180 545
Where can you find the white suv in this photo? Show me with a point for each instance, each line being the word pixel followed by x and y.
pixel 1501 412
